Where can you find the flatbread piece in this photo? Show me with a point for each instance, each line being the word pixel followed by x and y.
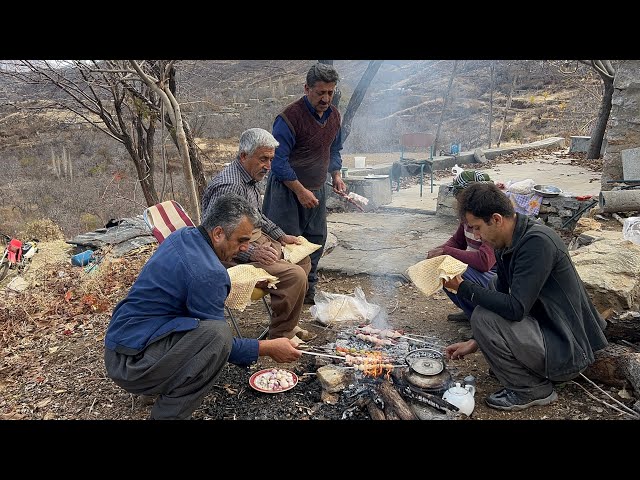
pixel 428 275
pixel 243 280
pixel 294 253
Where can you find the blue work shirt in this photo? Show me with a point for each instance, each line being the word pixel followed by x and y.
pixel 280 166
pixel 182 284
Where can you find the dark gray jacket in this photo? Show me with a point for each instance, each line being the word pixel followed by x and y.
pixel 537 277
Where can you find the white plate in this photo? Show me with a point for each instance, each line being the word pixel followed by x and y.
pixel 254 377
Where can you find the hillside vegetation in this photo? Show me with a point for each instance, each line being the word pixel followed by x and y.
pixel 60 169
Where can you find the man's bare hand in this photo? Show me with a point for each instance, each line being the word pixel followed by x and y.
pixel 338 185
pixel 265 254
pixel 282 350
pixel 454 283
pixel 458 350
pixel 289 239
pixel 307 199
pixel 435 252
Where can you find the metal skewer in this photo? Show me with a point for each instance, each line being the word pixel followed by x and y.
pixel 382 366
pixel 419 340
pixel 322 354
pixel 347 198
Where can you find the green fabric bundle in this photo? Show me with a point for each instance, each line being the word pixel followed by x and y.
pixel 466 178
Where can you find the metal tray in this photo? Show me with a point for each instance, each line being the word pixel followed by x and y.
pixel 547 190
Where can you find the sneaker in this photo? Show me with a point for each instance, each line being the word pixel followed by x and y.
pixel 458 317
pixel 509 400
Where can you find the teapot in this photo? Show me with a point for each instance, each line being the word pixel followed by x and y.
pixel 461 397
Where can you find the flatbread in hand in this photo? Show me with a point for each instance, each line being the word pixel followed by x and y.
pixel 294 253
pixel 428 275
pixel 243 280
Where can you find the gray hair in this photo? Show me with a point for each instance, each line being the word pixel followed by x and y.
pixel 254 138
pixel 227 212
pixel 322 72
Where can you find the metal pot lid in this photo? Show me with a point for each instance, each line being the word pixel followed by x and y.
pixel 427 366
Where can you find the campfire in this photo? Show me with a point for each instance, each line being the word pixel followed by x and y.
pixel 393 374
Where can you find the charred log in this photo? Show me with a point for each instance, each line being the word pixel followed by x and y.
pixel 394 401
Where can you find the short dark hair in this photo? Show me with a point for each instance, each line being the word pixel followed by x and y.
pixel 227 212
pixel 483 200
pixel 322 72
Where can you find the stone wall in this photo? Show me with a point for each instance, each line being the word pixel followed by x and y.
pixel 623 130
pixel 560 213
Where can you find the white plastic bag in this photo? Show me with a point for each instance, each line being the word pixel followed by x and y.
pixel 335 307
pixel 456 170
pixel 523 187
pixel 631 229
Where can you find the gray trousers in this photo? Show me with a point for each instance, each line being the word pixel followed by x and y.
pixel 179 368
pixel 514 351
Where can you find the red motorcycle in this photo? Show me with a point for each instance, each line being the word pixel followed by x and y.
pixel 17 255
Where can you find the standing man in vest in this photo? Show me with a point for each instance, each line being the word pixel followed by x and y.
pixel 309 135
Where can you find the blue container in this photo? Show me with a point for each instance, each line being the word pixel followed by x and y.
pixel 82 259
pixel 455 149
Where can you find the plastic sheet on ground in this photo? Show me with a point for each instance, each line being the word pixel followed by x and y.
pixel 331 308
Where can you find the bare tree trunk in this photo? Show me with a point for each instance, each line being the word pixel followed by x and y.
pixel 144 171
pixel 597 134
pixel 506 109
pixel 444 105
pixel 492 69
pixel 358 96
pixel 162 88
pixel 194 155
pixel 199 177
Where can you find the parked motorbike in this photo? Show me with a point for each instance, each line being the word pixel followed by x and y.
pixel 17 255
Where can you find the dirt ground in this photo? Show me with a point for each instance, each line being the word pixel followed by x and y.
pixel 53 369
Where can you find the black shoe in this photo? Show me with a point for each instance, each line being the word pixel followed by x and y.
pixel 458 317
pixel 509 400
pixel 309 300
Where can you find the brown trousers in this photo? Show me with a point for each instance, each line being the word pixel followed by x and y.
pixel 287 299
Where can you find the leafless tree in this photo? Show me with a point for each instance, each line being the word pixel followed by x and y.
pixel 161 85
pixel 113 96
pixel 492 69
pixel 357 97
pixel 444 104
pixel 607 73
pixel 507 107
pixel 606 70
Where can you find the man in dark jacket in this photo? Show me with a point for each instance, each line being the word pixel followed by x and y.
pixel 309 135
pixel 539 326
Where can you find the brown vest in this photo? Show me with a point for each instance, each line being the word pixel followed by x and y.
pixel 311 153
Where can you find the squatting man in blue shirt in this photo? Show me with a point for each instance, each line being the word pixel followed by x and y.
pixel 168 337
